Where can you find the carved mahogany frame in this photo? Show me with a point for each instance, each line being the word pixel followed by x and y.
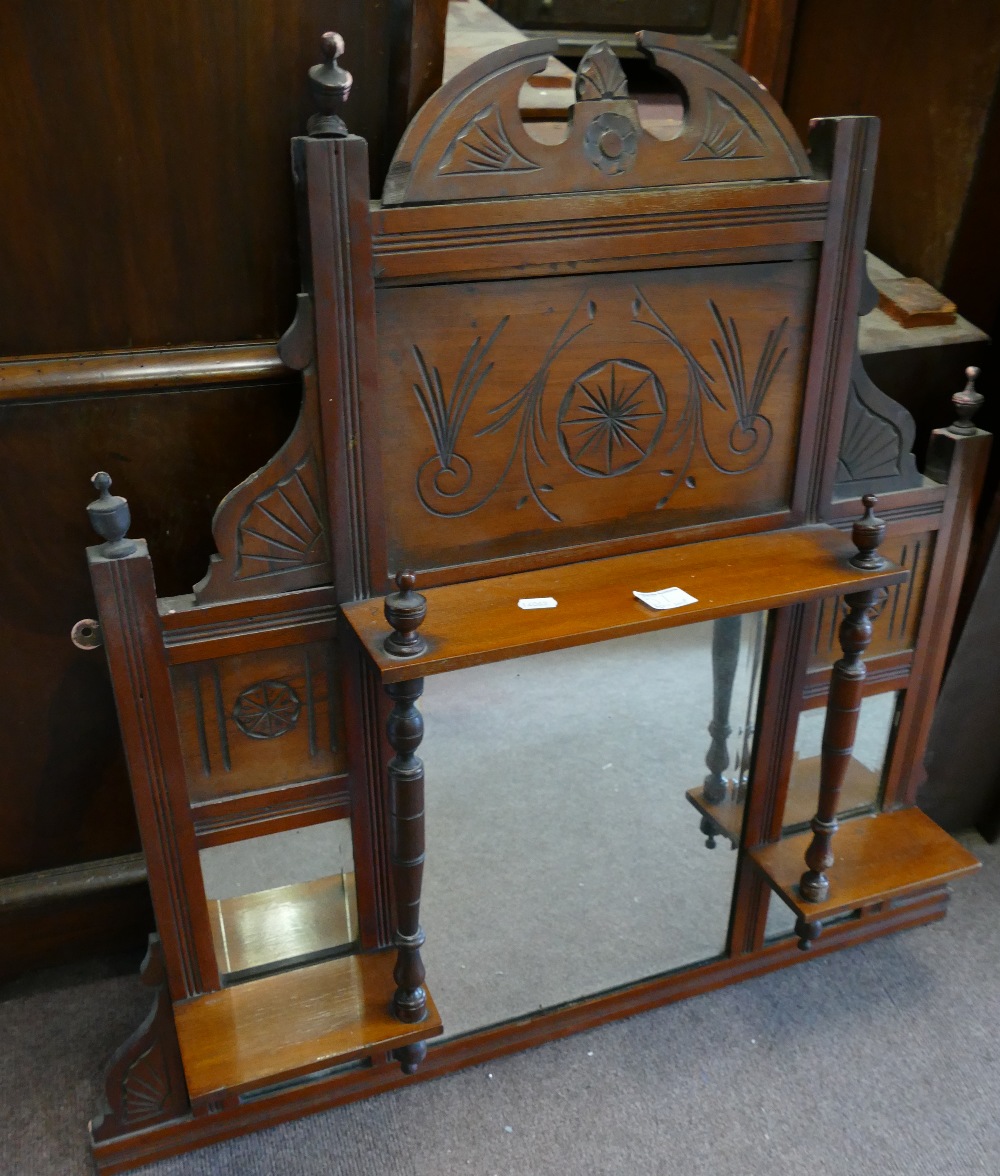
pixel 611 198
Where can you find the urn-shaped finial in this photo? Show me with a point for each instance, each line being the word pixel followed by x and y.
pixel 405 610
pixel 330 85
pixel 110 518
pixel 967 403
pixel 866 534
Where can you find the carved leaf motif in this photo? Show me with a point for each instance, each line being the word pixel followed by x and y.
pixel 282 529
pixel 727 134
pixel 483 146
pixel 600 75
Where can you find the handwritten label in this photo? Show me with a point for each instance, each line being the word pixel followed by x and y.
pixel 666 598
pixel 537 602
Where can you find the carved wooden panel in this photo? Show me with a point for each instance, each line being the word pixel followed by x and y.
pixel 525 416
pixel 271 530
pixel 259 720
pixel 144 1084
pixel 877 441
pixel 468 141
pixel 895 629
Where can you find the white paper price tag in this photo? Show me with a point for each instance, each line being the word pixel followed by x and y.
pixel 537 602
pixel 666 598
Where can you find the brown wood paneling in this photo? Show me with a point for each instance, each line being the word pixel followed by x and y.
pixel 932 92
pixel 146 164
pixel 501 403
pixel 174 456
pixel 258 720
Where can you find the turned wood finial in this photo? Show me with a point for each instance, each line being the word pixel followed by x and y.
pixel 405 611
pixel 967 403
pixel 330 85
pixel 866 535
pixel 110 518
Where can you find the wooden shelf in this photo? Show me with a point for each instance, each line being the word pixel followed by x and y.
pixel 878 857
pixel 860 789
pixel 288 1025
pixel 479 622
pixel 287 924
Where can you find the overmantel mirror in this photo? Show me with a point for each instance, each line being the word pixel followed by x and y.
pixel 581 510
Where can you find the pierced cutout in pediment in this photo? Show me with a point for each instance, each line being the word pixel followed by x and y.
pixel 469 142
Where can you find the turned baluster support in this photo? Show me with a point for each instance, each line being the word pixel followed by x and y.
pixel 846 691
pixel 725 655
pixel 404 610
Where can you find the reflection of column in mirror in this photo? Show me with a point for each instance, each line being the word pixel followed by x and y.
pixel 348 920
pixel 741 774
pixel 725 656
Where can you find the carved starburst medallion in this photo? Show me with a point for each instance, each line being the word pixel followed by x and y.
pixel 267 710
pixel 611 418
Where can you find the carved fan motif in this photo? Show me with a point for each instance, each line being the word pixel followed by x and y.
pixel 282 529
pixel 145 1086
pixel 872 445
pixel 875 448
pixel 727 133
pixel 483 146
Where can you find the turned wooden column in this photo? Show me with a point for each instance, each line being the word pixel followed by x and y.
pixel 846 691
pixel 725 655
pixel 405 610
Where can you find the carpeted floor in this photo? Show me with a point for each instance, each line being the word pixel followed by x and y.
pixel 883 1060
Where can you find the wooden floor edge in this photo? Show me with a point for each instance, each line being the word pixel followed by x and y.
pixel 169 1139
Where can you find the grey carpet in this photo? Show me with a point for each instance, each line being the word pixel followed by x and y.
pixel 879 1061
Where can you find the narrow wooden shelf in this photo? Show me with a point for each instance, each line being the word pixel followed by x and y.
pixel 285 1026
pixel 860 788
pixel 479 622
pixel 726 816
pixel 878 857
pixel 287 924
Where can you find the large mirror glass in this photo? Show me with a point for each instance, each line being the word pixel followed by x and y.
pixel 282 899
pixel 564 857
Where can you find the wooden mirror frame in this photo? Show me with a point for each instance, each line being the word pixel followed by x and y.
pixel 309 548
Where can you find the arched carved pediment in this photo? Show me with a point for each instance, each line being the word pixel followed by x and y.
pixel 468 142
